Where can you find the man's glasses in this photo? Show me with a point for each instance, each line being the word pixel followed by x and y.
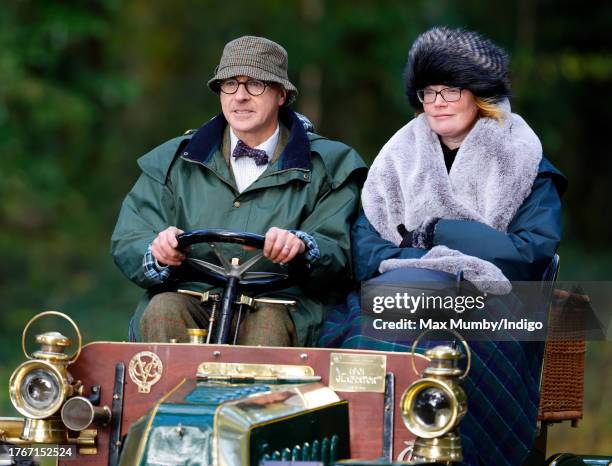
pixel 449 94
pixel 254 87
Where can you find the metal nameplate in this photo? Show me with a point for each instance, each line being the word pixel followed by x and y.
pixel 230 371
pixel 357 372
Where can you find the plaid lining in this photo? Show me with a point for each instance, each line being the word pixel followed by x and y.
pixel 312 253
pixel 502 387
pixel 152 270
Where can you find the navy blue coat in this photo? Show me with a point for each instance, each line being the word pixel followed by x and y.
pixel 503 384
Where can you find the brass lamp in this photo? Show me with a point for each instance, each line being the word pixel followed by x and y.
pixel 433 406
pixel 39 387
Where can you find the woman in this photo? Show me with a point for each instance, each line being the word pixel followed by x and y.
pixel 464 187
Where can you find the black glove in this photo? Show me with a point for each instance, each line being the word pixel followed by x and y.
pixel 422 237
pixel 406 236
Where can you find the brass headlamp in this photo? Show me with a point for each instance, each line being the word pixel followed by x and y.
pixel 39 387
pixel 433 406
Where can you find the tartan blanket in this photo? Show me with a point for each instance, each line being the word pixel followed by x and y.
pixel 502 387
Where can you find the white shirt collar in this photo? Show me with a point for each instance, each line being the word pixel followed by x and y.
pixel 269 145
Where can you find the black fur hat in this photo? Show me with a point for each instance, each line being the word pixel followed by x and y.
pixel 459 58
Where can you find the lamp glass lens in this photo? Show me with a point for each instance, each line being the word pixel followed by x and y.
pixel 40 389
pixel 432 408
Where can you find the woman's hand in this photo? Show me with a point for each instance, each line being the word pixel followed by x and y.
pixel 422 237
pixel 406 236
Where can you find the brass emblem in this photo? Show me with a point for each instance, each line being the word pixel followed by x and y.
pixel 357 372
pixel 145 370
pixel 257 372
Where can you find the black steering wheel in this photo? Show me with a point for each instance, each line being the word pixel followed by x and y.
pixel 220 275
pixel 233 277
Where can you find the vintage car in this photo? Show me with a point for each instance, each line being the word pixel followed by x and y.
pixel 208 402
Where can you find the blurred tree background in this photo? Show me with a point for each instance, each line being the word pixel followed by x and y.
pixel 87 87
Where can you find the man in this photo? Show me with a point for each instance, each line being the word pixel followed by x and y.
pixel 253 168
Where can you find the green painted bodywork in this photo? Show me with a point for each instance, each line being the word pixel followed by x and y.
pixel 208 423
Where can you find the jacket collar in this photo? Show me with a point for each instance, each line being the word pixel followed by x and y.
pixel 207 140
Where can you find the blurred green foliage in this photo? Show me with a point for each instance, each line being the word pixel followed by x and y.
pixel 87 87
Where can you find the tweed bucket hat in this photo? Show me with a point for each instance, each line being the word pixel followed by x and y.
pixel 257 58
pixel 456 57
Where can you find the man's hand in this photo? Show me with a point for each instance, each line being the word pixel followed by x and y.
pixel 281 246
pixel 164 247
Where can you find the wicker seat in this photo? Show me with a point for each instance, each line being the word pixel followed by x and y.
pixel 562 379
pixel 562 386
pixel 562 382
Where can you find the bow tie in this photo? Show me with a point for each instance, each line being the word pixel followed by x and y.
pixel 260 156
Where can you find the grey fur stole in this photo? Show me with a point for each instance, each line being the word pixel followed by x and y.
pixel 492 175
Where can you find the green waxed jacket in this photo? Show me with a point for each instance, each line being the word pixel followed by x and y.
pixel 313 186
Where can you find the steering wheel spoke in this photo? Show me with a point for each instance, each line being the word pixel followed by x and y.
pixel 203 265
pixel 241 269
pixel 260 275
pixel 224 262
